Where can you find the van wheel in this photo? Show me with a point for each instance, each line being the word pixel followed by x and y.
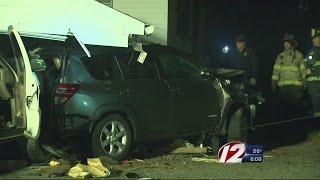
pixel 238 126
pixel 36 153
pixel 112 137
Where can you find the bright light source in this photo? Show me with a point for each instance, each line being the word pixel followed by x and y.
pixel 310 57
pixel 225 49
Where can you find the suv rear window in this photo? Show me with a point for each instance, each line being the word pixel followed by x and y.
pixel 101 67
pixel 132 69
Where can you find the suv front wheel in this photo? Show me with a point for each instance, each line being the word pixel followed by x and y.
pixel 112 137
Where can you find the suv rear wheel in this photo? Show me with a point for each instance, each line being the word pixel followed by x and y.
pixel 112 137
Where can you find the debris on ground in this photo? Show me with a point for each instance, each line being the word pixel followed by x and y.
pixel 109 161
pixel 176 146
pixel 190 150
pixel 54 171
pixel 94 168
pixel 180 146
pixel 138 160
pixel 267 156
pixel 188 144
pixel 61 154
pixel 79 171
pixel 137 164
pixel 132 161
pixel 207 160
pixel 54 162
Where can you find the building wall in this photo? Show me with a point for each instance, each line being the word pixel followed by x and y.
pixel 180 27
pixel 187 29
pixel 153 12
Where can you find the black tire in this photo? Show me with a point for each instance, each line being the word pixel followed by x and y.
pixel 97 137
pixel 238 126
pixel 22 144
pixel 36 153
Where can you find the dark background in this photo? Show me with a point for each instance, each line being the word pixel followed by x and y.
pixel 203 27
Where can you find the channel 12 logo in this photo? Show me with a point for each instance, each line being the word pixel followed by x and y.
pixel 237 152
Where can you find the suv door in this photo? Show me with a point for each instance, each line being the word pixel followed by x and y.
pixel 195 100
pixel 147 95
pixel 26 89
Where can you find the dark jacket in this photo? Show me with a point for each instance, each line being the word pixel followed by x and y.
pixel 245 60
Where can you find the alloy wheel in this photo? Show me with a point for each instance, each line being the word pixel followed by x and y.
pixel 113 138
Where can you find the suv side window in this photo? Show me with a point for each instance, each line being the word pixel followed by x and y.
pixel 177 67
pixel 132 69
pixel 101 67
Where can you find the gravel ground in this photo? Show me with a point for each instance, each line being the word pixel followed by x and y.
pixel 300 160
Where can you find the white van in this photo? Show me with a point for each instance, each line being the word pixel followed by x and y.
pixel 19 93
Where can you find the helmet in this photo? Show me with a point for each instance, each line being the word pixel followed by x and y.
pixel 290 39
pixel 315 32
pixel 240 38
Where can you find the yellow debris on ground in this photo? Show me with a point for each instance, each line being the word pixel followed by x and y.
pixel 94 168
pixel 79 171
pixel 54 162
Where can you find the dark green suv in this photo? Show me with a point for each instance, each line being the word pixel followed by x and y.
pixel 120 101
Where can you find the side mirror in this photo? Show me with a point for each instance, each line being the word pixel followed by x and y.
pixel 38 64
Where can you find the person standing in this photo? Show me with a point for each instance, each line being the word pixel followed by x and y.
pixel 312 76
pixel 244 59
pixel 288 70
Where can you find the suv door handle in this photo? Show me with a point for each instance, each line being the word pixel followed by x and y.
pixel 125 92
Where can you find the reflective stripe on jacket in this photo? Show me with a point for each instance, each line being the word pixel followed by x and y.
pixel 312 64
pixel 289 69
pixel 313 78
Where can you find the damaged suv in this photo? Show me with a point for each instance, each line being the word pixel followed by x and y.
pixel 119 99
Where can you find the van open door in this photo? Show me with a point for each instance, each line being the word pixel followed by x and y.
pixel 26 89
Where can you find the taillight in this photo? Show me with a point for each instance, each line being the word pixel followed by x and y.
pixel 64 92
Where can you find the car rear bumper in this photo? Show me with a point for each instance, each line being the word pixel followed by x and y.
pixel 72 124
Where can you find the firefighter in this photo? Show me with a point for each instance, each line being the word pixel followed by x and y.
pixel 287 78
pixel 312 64
pixel 244 59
